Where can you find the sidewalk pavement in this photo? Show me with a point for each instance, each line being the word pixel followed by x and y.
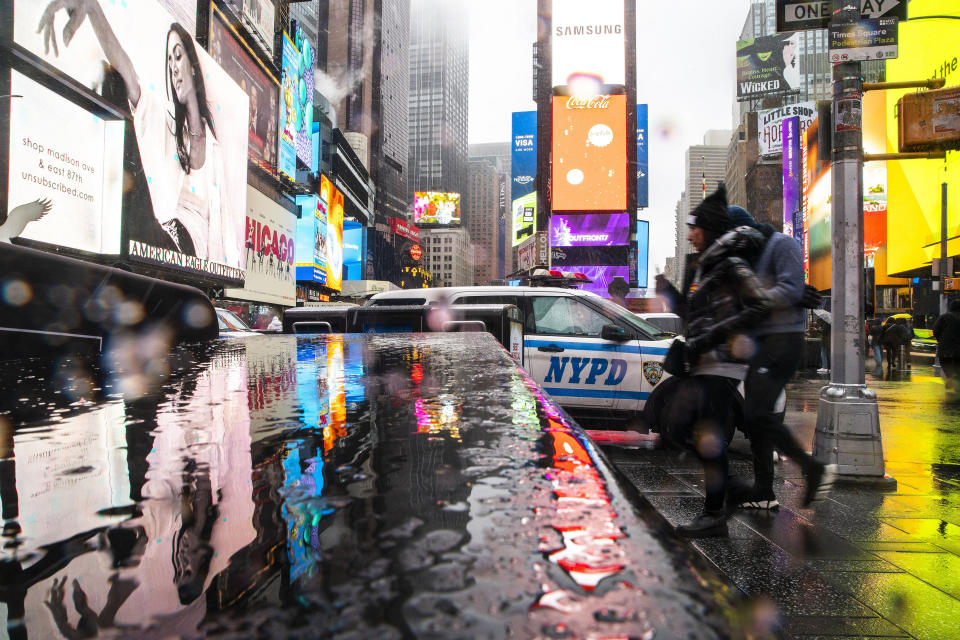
pixel 861 563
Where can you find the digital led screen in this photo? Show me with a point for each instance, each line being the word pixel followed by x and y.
pixel 588 41
pixel 589 153
pixel 184 210
pixel 600 229
pixel 643 159
pixel 311 252
pixel 256 82
pixel 524 217
pixel 65 172
pixel 523 159
pixel 289 126
pixel 436 207
pixel 792 182
pixel 353 252
pixel 643 253
pixel 335 241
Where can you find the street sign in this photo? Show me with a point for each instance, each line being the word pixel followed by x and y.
pixel 795 15
pixel 930 120
pixel 864 40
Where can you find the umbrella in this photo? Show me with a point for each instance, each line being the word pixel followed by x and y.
pixel 824 315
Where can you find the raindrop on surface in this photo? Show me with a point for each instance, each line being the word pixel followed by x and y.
pixel 16 293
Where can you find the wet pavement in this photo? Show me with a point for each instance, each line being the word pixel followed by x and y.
pixel 862 563
pixel 332 486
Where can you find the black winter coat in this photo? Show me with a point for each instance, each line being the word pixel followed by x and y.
pixel 947 332
pixel 727 297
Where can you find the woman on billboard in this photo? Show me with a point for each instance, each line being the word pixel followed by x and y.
pixel 179 151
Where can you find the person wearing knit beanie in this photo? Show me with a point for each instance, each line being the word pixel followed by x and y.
pixel 740 217
pixel 709 220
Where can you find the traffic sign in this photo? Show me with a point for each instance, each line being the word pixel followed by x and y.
pixel 864 40
pixel 794 15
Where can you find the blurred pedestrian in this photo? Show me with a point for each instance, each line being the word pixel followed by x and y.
pixel 890 339
pixel 779 342
pixel 723 302
pixel 823 325
pixel 874 329
pixel 947 332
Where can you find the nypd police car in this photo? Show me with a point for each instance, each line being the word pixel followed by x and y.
pixel 592 355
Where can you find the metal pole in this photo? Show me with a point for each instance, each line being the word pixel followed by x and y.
pixel 943 248
pixel 848 421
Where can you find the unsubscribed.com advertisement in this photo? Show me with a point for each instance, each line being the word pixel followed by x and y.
pixel 66 169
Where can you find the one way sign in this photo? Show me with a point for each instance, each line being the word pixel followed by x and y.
pixel 795 15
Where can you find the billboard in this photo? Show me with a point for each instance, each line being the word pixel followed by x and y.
pixel 311 245
pixel 792 214
pixel 269 265
pixel 353 250
pixel 596 230
pixel 523 159
pixel 818 188
pixel 287 114
pixel 588 42
pixel 589 153
pixel 524 217
pixel 257 82
pixel 643 159
pixel 768 66
pixel 186 208
pixel 259 16
pixel 926 48
pixel 436 207
pixel 404 229
pixel 769 121
pixel 335 240
pixel 65 172
pixel 643 253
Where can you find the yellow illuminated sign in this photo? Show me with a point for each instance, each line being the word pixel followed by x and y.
pixel 928 48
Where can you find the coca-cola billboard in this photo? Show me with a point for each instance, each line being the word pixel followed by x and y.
pixel 404 229
pixel 590 153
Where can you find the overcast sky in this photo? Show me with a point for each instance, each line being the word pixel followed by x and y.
pixel 685 72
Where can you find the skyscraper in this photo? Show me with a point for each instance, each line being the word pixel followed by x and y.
pixel 364 60
pixel 482 215
pixel 438 97
pixel 704 169
pixel 498 155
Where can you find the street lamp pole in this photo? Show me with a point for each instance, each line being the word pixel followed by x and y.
pixel 848 420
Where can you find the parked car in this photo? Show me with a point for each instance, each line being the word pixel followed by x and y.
pixel 231 326
pixel 923 342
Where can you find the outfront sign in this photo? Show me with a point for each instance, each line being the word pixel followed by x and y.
pixel 794 15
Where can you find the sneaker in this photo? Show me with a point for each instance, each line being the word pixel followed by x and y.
pixel 820 479
pixel 759 499
pixel 705 525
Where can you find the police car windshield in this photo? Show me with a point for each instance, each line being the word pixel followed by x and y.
pixel 631 319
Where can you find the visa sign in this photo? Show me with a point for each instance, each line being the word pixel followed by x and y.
pixel 592 368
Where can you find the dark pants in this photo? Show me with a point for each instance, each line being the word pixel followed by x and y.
pixel 777 358
pixel 695 418
pixel 951 369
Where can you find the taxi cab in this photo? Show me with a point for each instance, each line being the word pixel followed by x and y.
pixel 590 354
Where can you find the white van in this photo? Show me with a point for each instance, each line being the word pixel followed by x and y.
pixel 590 354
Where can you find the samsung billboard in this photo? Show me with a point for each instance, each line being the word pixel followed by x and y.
pixel 588 43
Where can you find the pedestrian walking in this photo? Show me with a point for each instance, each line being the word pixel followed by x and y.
pixel 947 332
pixel 724 302
pixel 778 345
pixel 825 329
pixel 890 339
pixel 874 330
